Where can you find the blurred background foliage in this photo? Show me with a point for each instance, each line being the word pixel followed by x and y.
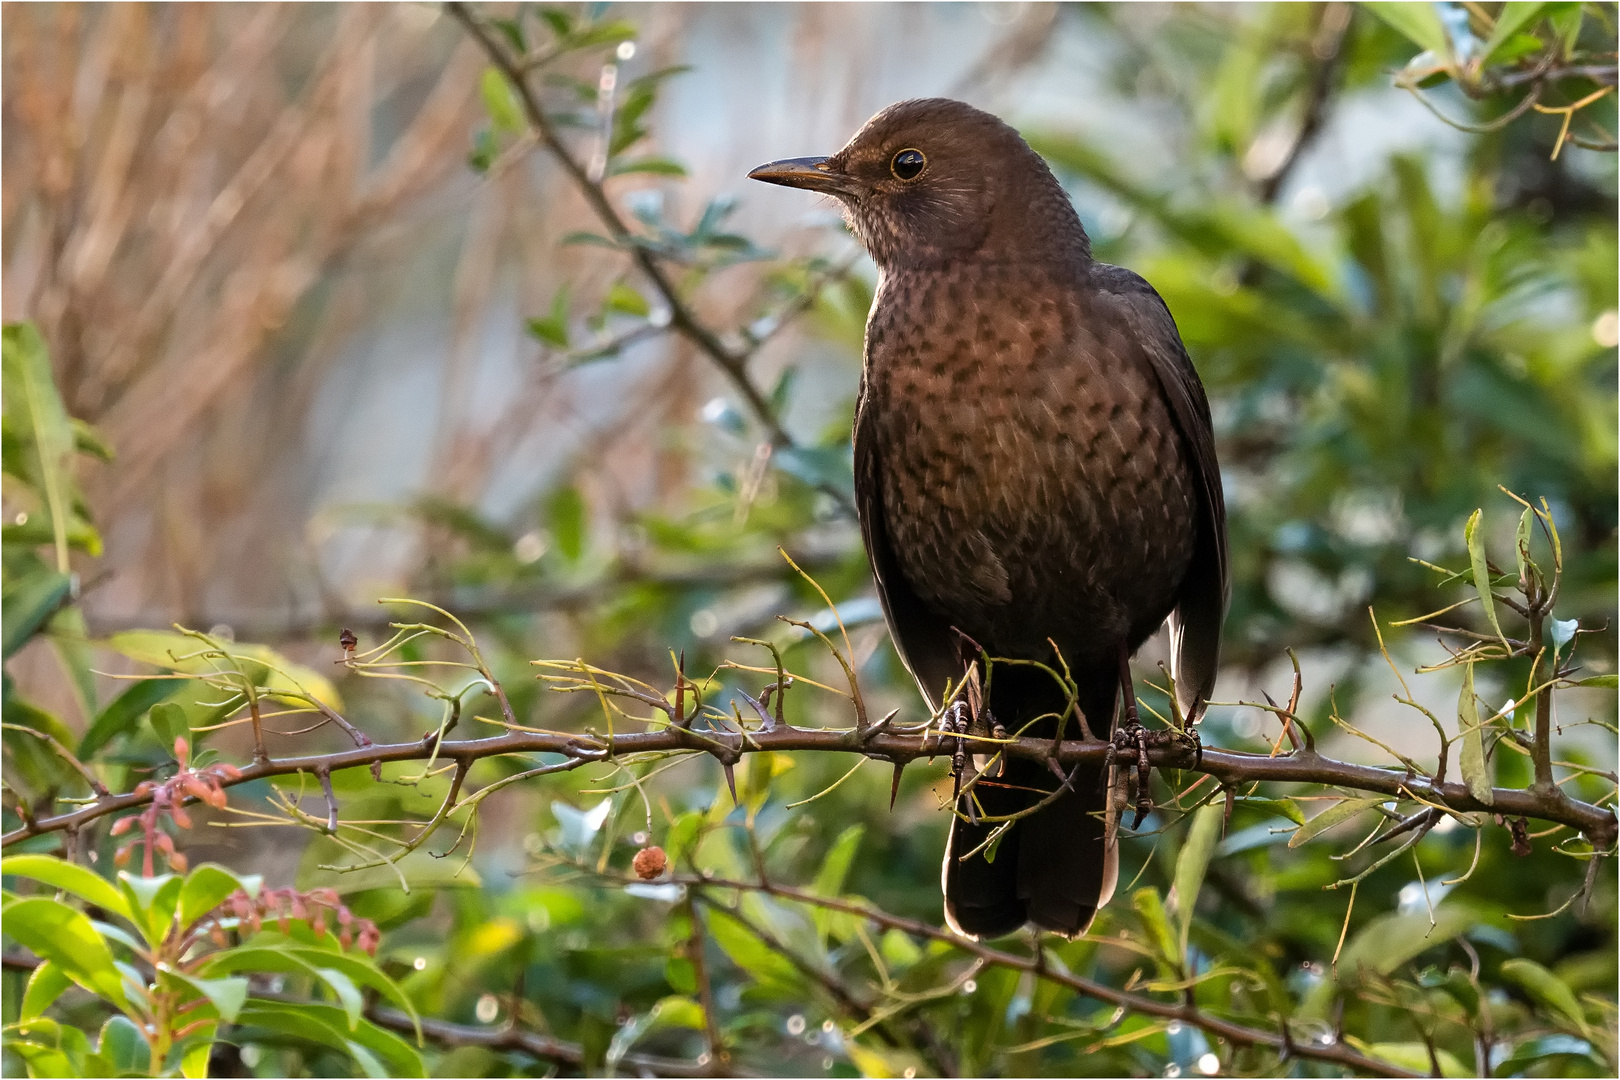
pixel 345 332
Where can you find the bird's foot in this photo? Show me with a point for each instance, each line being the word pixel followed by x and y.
pixel 1132 738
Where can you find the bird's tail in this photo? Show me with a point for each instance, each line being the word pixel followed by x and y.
pixel 1054 867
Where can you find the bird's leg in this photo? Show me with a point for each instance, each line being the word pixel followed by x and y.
pixel 956 724
pixel 1132 736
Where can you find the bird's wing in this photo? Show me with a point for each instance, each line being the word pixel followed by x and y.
pixel 923 639
pixel 1195 624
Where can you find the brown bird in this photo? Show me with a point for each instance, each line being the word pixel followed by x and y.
pixel 1034 467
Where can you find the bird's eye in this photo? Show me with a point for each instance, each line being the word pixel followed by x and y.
pixel 908 164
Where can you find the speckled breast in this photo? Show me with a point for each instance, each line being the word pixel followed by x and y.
pixel 1034 484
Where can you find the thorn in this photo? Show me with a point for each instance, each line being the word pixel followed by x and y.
pixel 1057 770
pixel 731 782
pixel 894 788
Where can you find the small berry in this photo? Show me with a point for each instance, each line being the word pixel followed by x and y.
pixel 649 863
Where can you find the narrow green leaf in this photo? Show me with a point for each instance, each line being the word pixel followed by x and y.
pixel 499 101
pixel 1385 944
pixel 1475 539
pixel 70 637
pixel 1337 814
pixel 53 931
pixel 1419 23
pixel 565 511
pixel 30 604
pixel 1192 864
pixel 654 165
pixel 1150 909
pixel 28 382
pixel 1471 758
pixel 45 985
pixel 1521 546
pixel 87 440
pixel 70 877
pixel 1414 1057
pixel 1284 808
pixel 1607 681
pixel 1509 21
pixel 125 711
pixel 835 867
pixel 1546 988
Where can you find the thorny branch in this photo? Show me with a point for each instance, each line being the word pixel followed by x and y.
pixel 1230 767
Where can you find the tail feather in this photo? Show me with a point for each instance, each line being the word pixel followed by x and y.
pixel 1054 867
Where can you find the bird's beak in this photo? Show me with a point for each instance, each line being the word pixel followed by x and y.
pixel 810 173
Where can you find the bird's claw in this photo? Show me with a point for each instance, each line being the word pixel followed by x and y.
pixel 1132 738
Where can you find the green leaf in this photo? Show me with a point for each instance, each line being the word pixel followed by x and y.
pixel 1473 534
pixel 36 412
pixel 1337 814
pixel 835 867
pixel 345 991
pixel 766 967
pixel 1419 23
pixel 52 1049
pixel 53 931
pixel 152 902
pixel 657 166
pixel 1150 909
pixel 1610 682
pixel 1546 988
pixel 207 886
pixel 30 604
pixel 610 32
pixel 553 329
pixel 124 712
pixel 565 514
pixel 1471 757
pixel 226 995
pixel 1414 1057
pixel 170 723
pixel 70 637
pixel 1192 863
pixel 1284 808
pixel 262 666
pixel 622 298
pixel 1521 546
pixel 499 101
pixel 284 957
pixel 328 1026
pixel 69 877
pixel 87 440
pixel 1386 943
pixel 122 1046
pixel 194 1061
pixel 45 985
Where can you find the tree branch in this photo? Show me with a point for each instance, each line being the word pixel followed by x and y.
pixel 1186 1013
pixel 733 363
pixel 1231 767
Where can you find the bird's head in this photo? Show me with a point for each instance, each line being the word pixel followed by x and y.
pixel 932 181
